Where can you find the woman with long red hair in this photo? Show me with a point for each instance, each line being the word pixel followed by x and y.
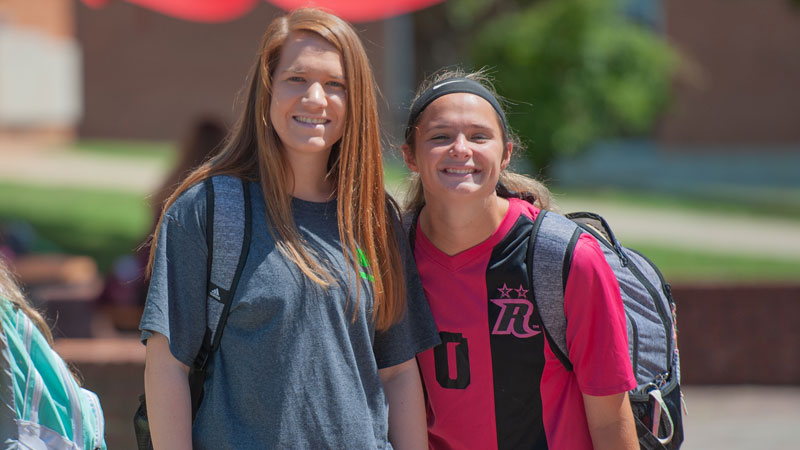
pixel 318 350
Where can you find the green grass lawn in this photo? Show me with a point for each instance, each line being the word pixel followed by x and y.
pixel 680 265
pixel 106 224
pixel 101 224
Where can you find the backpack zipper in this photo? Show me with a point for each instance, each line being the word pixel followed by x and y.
pixel 659 307
pixel 635 358
pixel 666 287
pixel 626 262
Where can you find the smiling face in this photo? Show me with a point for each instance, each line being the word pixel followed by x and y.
pixel 308 106
pixel 459 150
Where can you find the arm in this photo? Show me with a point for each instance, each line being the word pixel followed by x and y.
pixel 610 422
pixel 407 424
pixel 166 384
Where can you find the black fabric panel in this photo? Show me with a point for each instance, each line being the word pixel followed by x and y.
pixel 517 344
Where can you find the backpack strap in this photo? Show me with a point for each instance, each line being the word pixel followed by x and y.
pixel 550 248
pixel 231 243
pixel 228 230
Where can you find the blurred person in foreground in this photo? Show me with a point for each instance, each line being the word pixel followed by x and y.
pixel 41 403
pixel 328 316
pixel 493 383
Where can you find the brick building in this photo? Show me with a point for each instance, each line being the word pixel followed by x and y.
pixel 40 69
pixel 147 75
pixel 122 71
pixel 740 82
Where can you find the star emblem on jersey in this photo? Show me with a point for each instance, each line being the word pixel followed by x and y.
pixel 515 313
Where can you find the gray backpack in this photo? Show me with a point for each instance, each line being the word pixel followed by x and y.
pixel 650 315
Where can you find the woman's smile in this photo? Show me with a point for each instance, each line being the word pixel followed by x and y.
pixel 464 171
pixel 311 120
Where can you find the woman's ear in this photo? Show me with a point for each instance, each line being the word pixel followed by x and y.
pixel 408 157
pixel 507 156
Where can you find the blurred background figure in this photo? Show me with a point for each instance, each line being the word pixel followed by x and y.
pixel 38 262
pixel 125 288
pixel 199 143
pixel 51 276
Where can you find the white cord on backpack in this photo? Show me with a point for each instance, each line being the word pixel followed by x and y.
pixel 660 410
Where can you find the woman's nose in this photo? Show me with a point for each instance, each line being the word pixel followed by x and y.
pixel 460 146
pixel 315 95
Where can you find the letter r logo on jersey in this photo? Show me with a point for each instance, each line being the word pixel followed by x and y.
pixel 515 314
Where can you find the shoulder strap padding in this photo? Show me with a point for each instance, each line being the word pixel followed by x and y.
pixel 228 228
pixel 552 241
pixel 229 246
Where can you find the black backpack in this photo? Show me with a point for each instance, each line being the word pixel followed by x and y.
pixel 225 261
pixel 649 309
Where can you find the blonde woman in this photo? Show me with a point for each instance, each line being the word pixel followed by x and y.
pixel 319 346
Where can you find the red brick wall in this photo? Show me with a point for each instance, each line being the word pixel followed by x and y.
pixel 118 386
pixel 114 370
pixel 148 76
pixel 739 334
pixel 740 81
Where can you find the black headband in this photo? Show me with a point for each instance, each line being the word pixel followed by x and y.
pixel 451 86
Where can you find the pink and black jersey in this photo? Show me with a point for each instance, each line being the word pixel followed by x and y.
pixel 493 383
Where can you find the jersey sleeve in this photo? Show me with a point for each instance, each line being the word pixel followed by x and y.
pixel 597 337
pixel 175 305
pixel 416 331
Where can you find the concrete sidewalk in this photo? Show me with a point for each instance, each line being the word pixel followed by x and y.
pixel 690 230
pixel 59 167
pixel 741 417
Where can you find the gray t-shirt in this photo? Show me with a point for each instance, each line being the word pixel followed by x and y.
pixel 298 364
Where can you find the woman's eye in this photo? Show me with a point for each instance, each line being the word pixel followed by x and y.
pixel 295 79
pixel 439 137
pixel 480 137
pixel 336 84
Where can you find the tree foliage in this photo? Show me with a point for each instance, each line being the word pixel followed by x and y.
pixel 575 71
